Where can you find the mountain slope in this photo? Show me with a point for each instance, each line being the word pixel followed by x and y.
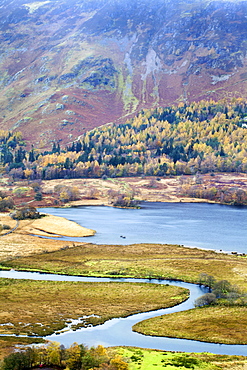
pixel 68 66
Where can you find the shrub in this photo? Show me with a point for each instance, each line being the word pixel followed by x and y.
pixel 25 212
pixel 38 196
pixel 67 193
pixel 222 292
pixel 205 300
pixel 6 227
pixel 36 186
pixel 182 361
pixel 20 191
pixel 6 204
pixel 124 201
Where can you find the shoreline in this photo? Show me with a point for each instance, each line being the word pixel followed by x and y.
pixel 48 225
pixel 199 188
pixel 22 241
pixel 218 251
pixel 82 203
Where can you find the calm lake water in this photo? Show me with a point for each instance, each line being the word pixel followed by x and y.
pixel 209 226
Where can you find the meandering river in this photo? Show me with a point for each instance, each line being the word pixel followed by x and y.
pixel 118 332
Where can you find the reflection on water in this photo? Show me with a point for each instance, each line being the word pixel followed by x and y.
pixel 209 226
pixel 118 332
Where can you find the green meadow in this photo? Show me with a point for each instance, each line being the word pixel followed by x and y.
pixel 147 359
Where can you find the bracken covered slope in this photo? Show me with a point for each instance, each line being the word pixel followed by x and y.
pixel 67 66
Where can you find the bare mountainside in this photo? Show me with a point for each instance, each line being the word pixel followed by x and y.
pixel 67 66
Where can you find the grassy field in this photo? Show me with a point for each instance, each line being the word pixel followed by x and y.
pixel 138 260
pixel 208 324
pixel 16 244
pixel 43 307
pixel 147 359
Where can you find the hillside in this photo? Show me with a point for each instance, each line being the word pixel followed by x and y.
pixel 203 137
pixel 69 66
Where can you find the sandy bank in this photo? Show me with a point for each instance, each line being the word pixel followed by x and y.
pixel 57 226
pixel 47 226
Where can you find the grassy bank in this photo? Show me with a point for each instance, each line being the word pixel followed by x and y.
pixel 143 359
pixel 139 260
pixel 43 307
pixel 207 324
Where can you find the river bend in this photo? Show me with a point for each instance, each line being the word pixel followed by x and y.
pixel 118 331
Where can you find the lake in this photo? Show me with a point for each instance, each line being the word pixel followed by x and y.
pixel 202 225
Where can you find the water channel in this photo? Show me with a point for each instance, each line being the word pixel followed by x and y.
pixel 118 331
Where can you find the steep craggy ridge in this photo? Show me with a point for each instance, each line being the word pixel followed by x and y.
pixel 67 66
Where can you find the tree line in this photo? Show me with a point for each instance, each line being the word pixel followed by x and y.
pixel 221 292
pixel 76 357
pixel 202 137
